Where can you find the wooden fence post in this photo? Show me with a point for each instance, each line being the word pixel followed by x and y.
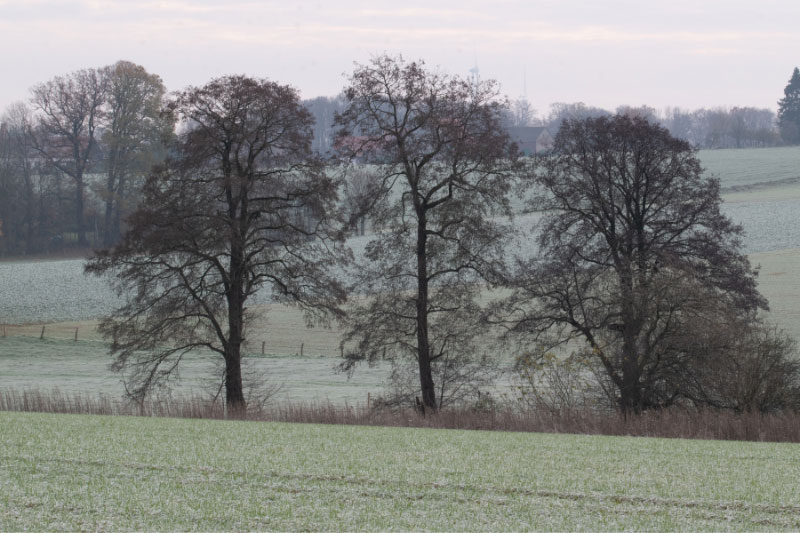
pixel 76 334
pixel 301 349
pixel 262 347
pixel 42 335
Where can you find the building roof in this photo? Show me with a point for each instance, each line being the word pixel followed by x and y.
pixel 526 134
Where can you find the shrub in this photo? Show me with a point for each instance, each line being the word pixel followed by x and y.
pixel 544 382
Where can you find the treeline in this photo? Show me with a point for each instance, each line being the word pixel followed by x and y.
pixel 74 156
pixel 720 127
pixel 203 199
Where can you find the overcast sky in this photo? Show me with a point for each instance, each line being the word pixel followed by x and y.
pixel 688 53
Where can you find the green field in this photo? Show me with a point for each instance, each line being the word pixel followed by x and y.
pixel 70 472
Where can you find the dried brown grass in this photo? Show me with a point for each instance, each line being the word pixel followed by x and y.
pixel 721 425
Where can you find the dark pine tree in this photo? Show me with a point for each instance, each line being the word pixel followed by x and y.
pixel 789 110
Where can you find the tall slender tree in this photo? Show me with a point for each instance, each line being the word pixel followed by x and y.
pixel 69 109
pixel 134 129
pixel 441 167
pixel 240 206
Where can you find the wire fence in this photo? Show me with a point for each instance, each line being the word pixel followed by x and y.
pixel 283 341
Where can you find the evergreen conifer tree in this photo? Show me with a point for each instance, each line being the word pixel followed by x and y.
pixel 789 110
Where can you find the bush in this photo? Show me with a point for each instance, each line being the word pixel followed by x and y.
pixel 461 383
pixel 544 382
pixel 749 367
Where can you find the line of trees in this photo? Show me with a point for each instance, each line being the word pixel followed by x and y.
pixel 74 157
pixel 72 162
pixel 711 128
pixel 634 258
pixel 720 127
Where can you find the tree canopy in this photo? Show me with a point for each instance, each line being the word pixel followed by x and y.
pixel 69 112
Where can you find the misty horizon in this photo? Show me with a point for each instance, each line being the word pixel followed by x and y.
pixel 677 54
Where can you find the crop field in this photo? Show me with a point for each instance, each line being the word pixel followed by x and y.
pixel 69 472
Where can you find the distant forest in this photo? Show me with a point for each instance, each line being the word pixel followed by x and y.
pixel 719 127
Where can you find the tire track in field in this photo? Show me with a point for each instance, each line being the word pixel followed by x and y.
pixel 442 491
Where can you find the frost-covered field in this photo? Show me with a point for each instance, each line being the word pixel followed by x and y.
pixel 58 291
pixel 51 291
pixel 26 362
pixel 82 369
pixel 750 166
pixel 68 472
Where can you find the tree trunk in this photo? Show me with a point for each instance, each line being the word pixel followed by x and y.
pixel 79 209
pixel 107 220
pixel 234 393
pixel 111 182
pixel 116 227
pixel 630 395
pixel 30 209
pixel 423 343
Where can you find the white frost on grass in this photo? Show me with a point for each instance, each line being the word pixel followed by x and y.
pixel 59 291
pixel 51 291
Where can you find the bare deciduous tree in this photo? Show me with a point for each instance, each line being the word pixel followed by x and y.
pixel 132 138
pixel 443 168
pixel 737 361
pixel 69 109
pixel 17 199
pixel 240 206
pixel 635 249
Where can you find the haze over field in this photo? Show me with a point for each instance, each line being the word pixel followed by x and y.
pixel 677 53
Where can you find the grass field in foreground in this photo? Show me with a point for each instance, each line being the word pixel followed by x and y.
pixel 121 473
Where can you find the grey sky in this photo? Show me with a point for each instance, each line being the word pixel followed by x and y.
pixel 605 53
